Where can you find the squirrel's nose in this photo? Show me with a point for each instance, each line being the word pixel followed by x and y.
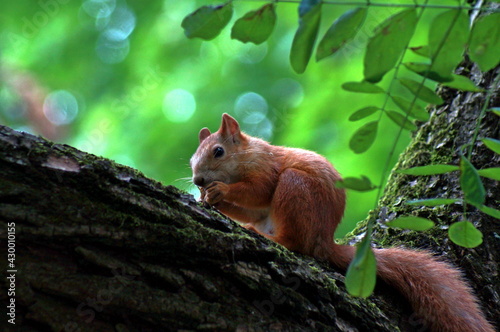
pixel 199 181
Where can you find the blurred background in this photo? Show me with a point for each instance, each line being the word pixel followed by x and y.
pixel 119 79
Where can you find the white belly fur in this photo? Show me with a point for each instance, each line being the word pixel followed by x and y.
pixel 265 226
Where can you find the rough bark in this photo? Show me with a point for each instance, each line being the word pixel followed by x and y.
pixel 99 247
pixel 441 141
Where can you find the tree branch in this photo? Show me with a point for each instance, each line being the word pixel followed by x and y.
pixel 99 247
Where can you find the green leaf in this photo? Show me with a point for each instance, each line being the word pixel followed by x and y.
pixel 365 87
pixel 418 67
pixel 429 169
pixel 255 26
pixel 401 120
pixel 495 110
pixel 363 113
pixel 388 44
pixel 470 182
pixel 422 50
pixel 362 272
pixel 413 223
pixel 421 91
pixel 433 201
pixel 343 30
pixel 358 184
pixel 492 144
pixel 364 137
pixel 448 35
pixel 491 173
pixel 415 111
pixel 424 69
pixel 207 22
pixel 462 83
pixel 303 41
pixel 484 45
pixel 465 234
pixel 489 211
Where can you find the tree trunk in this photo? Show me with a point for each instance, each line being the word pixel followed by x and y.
pixel 99 247
pixel 440 141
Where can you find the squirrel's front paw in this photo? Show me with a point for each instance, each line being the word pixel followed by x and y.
pixel 202 194
pixel 215 192
pixel 202 198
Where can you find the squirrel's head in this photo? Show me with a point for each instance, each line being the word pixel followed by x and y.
pixel 219 155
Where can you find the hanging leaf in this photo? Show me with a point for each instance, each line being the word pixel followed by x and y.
pixel 413 110
pixel 484 45
pixel 255 26
pixel 421 91
pixel 362 272
pixel 388 44
pixel 470 182
pixel 433 201
pixel 357 184
pixel 303 41
pixel 401 120
pixel 207 22
pixel 429 169
pixel 363 113
pixel 465 234
pixel 421 50
pixel 491 173
pixel 418 67
pixel 424 69
pixel 448 35
pixel 365 87
pixel 492 144
pixel 342 31
pixel 364 137
pixel 489 211
pixel 413 223
pixel 462 83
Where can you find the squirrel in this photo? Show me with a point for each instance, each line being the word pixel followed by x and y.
pixel 289 196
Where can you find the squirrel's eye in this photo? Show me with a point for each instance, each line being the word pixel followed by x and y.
pixel 218 152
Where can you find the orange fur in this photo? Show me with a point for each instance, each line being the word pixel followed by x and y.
pixel 288 195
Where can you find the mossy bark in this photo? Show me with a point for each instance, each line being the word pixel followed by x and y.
pixel 99 247
pixel 442 140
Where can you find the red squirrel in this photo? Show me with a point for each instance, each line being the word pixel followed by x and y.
pixel 289 196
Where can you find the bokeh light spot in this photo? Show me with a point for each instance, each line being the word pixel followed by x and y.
pixel 60 107
pixel 179 105
pixel 112 51
pixel 249 103
pixel 251 110
pixel 99 8
pixel 251 54
pixel 121 24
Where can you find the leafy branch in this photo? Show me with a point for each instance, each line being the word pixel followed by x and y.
pixel 449 38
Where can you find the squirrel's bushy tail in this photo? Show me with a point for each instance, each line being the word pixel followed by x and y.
pixel 441 298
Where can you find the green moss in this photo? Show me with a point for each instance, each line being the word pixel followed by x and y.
pixel 401 188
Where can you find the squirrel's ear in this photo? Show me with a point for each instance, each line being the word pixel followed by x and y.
pixel 204 133
pixel 229 126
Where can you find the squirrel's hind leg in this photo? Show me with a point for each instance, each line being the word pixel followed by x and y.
pixel 294 210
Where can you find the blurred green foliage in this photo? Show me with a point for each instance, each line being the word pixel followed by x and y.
pixel 120 79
